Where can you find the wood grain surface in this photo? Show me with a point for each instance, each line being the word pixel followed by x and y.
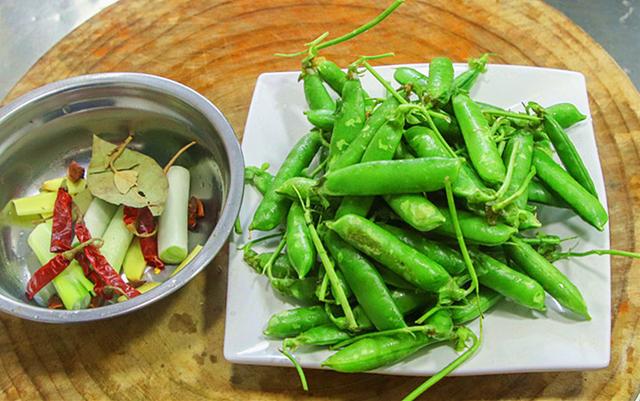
pixel 173 349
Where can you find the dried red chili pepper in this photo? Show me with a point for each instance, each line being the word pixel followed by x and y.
pixel 101 266
pixel 62 229
pixel 75 171
pixel 148 239
pixel 196 212
pixel 55 302
pixel 130 218
pixel 98 283
pixel 45 274
pixel 52 268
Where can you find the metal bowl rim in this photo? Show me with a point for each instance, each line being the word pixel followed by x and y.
pixel 220 233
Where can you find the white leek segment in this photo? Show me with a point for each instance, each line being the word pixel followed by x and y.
pixel 72 187
pixel 36 204
pixel 117 239
pixel 99 216
pixel 71 285
pixel 172 227
pixel 134 263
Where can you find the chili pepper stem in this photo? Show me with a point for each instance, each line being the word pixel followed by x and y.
pixel 71 254
pixel 118 152
pixel 449 368
pixel 303 378
pixel 177 155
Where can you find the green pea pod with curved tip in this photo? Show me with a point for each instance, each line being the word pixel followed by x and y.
pixel 300 249
pixel 349 121
pixel 468 185
pixel 476 229
pixel 482 150
pixel 391 177
pixel 409 301
pixel 375 352
pixel 537 192
pixel 469 311
pixel 292 322
pixel 512 284
pixel 315 92
pixel 581 201
pixel 416 210
pixel 413 77
pixel 552 280
pixel 440 80
pixel 260 178
pixel 385 248
pixel 323 119
pixel 440 253
pixel 274 207
pixel 331 73
pixel 568 154
pixel 523 142
pixel 566 114
pixel 327 334
pixel 403 152
pixel 365 282
pixel 353 154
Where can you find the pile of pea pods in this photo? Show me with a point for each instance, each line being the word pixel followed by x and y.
pixel 406 217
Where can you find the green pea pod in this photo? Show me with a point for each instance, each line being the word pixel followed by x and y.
pixel 581 201
pixel 375 352
pixel 568 154
pixel 566 114
pixel 350 119
pixel 508 282
pixel 403 152
pixel 367 285
pixel 353 154
pixel 551 279
pixel 464 81
pixel 440 80
pixel 280 268
pixel 391 177
pixel 416 210
pixel 440 253
pixel 523 142
pixel 449 129
pixel 315 92
pixel 330 73
pixel 413 77
pixel 385 248
pixel 409 301
pixel 470 311
pixel 476 229
pixel 292 322
pixel 537 192
pixel 382 147
pixel 302 187
pixel 274 207
pixel 482 150
pixel 342 282
pixel 300 249
pixel 468 185
pixel 260 178
pixel 327 334
pixel 394 279
pixel 323 119
pixel 300 290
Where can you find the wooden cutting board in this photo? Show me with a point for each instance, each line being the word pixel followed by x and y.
pixel 173 349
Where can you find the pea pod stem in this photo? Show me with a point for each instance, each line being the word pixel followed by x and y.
pixel 274 256
pixel 410 330
pixel 511 114
pixel 303 378
pixel 449 368
pixel 511 198
pixel 612 252
pixel 510 167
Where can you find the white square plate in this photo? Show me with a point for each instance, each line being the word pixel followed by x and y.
pixel 516 339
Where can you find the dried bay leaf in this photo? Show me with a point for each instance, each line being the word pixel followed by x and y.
pixel 140 180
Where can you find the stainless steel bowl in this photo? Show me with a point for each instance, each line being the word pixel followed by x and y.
pixel 42 131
